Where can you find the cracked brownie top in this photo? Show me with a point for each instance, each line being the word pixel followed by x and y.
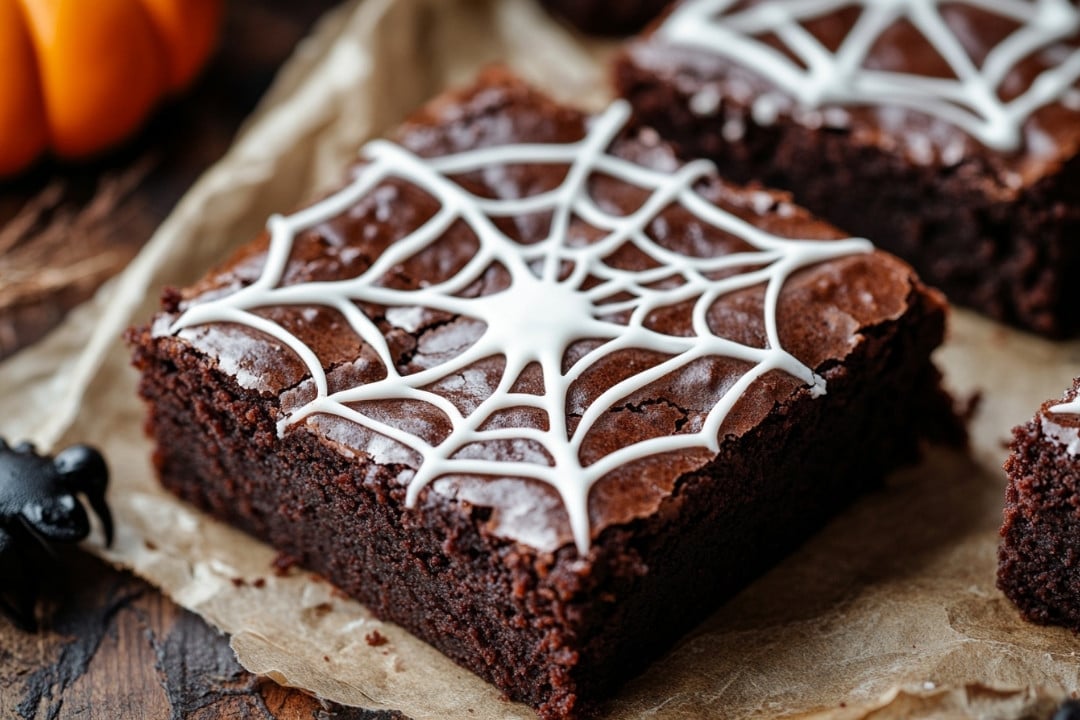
pixel 529 310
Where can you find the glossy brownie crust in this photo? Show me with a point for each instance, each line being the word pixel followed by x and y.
pixel 607 17
pixel 1038 566
pixel 996 232
pixel 550 628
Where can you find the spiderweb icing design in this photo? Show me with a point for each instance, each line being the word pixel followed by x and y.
pixel 970 101
pixel 1069 408
pixel 557 295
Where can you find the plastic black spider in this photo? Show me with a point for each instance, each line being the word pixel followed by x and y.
pixel 38 506
pixel 1069 710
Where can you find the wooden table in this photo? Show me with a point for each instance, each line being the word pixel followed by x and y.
pixel 111 646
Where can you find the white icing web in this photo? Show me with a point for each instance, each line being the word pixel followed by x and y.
pixel 1070 408
pixel 557 295
pixel 970 101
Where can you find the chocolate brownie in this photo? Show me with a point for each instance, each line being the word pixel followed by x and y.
pixel 1040 538
pixel 607 17
pixel 538 392
pixel 946 132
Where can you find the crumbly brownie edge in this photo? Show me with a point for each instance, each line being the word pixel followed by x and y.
pixel 547 629
pixel 1039 554
pixel 1008 258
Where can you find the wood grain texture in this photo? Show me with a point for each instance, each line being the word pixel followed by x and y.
pixel 111 647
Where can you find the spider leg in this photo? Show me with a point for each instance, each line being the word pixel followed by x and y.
pixel 60 519
pixel 83 470
pixel 18 587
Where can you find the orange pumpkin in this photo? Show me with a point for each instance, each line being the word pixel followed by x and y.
pixel 77 77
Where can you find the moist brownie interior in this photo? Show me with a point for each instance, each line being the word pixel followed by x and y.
pixel 1040 537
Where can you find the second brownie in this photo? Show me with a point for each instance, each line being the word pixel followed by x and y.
pixel 860 111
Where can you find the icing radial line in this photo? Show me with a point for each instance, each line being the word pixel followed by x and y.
pixel 1069 408
pixel 558 294
pixel 970 101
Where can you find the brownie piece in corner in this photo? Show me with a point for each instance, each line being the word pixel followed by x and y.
pixel 946 132
pixel 1039 557
pixel 607 17
pixel 539 392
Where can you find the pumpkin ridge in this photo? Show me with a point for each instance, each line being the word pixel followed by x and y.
pixel 22 110
pixel 102 70
pixel 188 29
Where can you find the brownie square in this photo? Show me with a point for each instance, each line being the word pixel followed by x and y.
pixel 946 132
pixel 537 391
pixel 1038 566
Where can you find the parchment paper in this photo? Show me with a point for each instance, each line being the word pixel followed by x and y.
pixel 889 612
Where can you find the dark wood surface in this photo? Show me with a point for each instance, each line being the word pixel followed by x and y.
pixel 111 646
